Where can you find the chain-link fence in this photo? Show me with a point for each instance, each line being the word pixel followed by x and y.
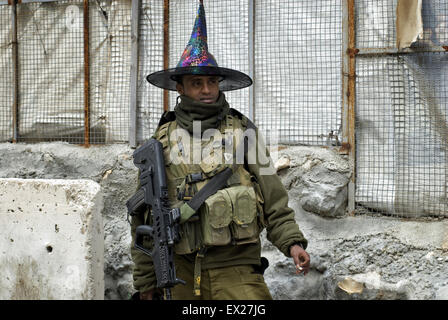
pixel 76 83
pixel 401 113
pixel 6 83
pixel 50 73
pixel 297 85
pixel 296 91
pixel 72 73
pixel 298 70
pixel 151 57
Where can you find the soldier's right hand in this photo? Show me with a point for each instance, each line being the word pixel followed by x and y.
pixel 147 295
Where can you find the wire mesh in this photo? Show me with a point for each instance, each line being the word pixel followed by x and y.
pixel 6 84
pixel 401 100
pixel 298 70
pixel 376 23
pixel 51 74
pixel 401 115
pixel 297 75
pixel 113 20
pixel 100 70
pixel 51 71
pixel 57 113
pixel 401 134
pixel 149 98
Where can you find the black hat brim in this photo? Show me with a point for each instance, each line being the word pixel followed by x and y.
pixel 231 79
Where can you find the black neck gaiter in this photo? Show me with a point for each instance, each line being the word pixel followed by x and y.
pixel 210 114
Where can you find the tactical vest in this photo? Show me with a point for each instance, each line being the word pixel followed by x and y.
pixel 231 216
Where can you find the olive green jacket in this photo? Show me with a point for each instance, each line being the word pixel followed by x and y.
pixel 282 231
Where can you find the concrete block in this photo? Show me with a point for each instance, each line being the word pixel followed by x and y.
pixel 51 240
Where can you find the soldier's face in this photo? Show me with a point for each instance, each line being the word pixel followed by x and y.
pixel 200 88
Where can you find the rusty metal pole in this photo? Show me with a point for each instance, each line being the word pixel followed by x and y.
pixel 15 73
pixel 251 58
pixel 135 20
pixel 351 93
pixel 86 75
pixel 349 52
pixel 166 47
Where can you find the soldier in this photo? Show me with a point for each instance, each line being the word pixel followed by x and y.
pixel 218 254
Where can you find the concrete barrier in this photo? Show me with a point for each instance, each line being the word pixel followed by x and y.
pixel 51 240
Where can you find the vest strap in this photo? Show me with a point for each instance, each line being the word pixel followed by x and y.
pixel 216 183
pixel 197 271
pixel 195 177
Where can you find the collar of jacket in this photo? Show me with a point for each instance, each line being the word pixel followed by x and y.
pixel 209 114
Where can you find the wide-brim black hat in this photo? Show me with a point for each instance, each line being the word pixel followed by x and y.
pixel 231 79
pixel 197 60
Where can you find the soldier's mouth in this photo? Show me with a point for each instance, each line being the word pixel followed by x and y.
pixel 207 100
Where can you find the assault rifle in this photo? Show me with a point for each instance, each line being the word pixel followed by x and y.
pixel 164 231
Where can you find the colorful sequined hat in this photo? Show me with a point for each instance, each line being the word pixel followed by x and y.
pixel 196 59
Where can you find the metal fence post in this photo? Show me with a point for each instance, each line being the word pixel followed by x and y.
pixel 166 47
pixel 251 58
pixel 135 23
pixel 348 94
pixel 86 75
pixel 15 75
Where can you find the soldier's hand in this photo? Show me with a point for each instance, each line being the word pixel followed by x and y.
pixel 147 295
pixel 301 259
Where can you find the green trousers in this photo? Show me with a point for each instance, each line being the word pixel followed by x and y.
pixel 240 282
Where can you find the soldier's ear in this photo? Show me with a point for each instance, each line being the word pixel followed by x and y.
pixel 180 88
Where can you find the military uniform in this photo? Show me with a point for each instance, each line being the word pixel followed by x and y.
pixel 218 254
pixel 251 201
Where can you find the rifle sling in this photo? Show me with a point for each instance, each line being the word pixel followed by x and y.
pixel 216 183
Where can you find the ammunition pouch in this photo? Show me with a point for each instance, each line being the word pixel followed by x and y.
pixel 230 216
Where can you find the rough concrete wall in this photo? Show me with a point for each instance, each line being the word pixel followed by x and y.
pixel 52 241
pixel 386 258
pixel 354 257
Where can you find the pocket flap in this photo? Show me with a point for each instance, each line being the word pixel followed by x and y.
pixel 244 204
pixel 219 207
pixel 210 163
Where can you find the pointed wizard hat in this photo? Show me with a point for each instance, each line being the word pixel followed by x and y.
pixel 196 59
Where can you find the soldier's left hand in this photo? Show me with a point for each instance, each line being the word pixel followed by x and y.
pixel 301 259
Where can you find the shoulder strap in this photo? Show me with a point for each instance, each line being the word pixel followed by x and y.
pixel 245 120
pixel 167 116
pixel 216 183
